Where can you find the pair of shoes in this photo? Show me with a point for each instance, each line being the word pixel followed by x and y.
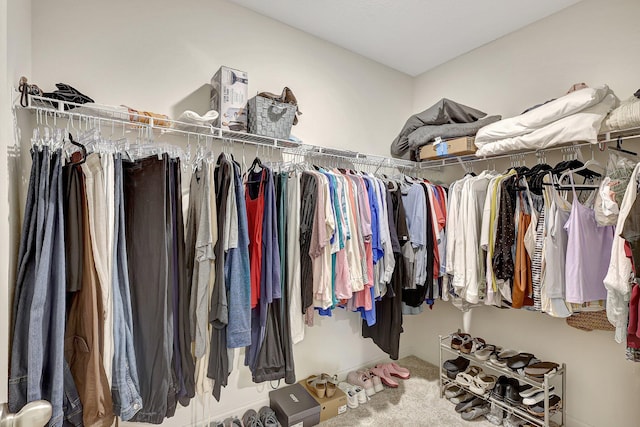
pixel 458 339
pixel 453 391
pixel 466 378
pixel 468 404
pixel 356 395
pixel 555 403
pixel 464 397
pixel 533 395
pixel 482 384
pixel 465 343
pixel 476 411
pixel 499 359
pixel 486 351
pixel 537 371
pixel 323 385
pixel 362 380
pixel 396 370
pixel 385 376
pixel 455 366
pixel 375 379
pixel 265 418
pixel 519 361
pixel 512 392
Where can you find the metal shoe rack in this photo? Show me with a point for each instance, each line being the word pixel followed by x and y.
pixel 518 411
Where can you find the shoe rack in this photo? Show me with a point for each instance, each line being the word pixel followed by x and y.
pixel 519 411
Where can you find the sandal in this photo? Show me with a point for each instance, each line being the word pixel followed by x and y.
pixel 317 385
pixel 396 370
pixel 385 376
pixel 331 384
pixel 482 384
pixel 555 403
pixel 540 369
pixel 458 339
pixel 465 379
pixel 485 352
pixel 472 346
pixel 519 361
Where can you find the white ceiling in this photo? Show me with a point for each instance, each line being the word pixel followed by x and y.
pixel 411 36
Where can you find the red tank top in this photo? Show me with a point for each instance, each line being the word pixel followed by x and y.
pixel 255 214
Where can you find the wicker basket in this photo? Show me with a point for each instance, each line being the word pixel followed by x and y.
pixel 270 118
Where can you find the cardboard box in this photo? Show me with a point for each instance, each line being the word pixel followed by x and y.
pixel 329 406
pixel 294 406
pixel 229 97
pixel 453 147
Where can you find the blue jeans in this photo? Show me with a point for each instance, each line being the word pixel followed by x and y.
pixel 38 367
pixel 125 387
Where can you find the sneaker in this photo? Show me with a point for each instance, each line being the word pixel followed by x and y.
pixel 268 417
pixel 352 396
pixel 361 380
pixel 251 419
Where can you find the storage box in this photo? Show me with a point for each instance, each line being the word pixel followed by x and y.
pixel 270 118
pixel 453 147
pixel 329 406
pixel 294 406
pixel 229 97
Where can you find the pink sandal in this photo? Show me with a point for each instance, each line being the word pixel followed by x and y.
pixel 385 376
pixel 396 370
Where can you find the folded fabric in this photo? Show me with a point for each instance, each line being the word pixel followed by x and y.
pixel 626 116
pixel 582 126
pixel 443 112
pixel 550 112
pixel 426 134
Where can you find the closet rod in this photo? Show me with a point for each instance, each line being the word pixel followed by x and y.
pixel 129 119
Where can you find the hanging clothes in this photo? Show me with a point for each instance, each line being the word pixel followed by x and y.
pixel 39 299
pixel 145 192
pixel 388 327
pixel 586 268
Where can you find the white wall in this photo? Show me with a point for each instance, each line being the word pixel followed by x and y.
pixel 596 42
pixel 15 55
pixel 153 55
pixel 158 55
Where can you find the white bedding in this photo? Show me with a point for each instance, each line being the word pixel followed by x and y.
pixel 539 117
pixel 583 126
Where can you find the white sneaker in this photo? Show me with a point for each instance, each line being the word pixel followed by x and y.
pixel 352 395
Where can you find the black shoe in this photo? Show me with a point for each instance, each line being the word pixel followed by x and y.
pixel 500 388
pixel 512 392
pixel 459 364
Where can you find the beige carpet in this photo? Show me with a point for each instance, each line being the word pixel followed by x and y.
pixel 415 403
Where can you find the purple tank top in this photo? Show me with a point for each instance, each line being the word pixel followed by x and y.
pixel 588 254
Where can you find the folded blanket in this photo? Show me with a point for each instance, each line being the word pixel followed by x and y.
pixel 582 126
pixel 443 112
pixel 537 118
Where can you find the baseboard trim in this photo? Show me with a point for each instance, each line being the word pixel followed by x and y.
pixel 258 403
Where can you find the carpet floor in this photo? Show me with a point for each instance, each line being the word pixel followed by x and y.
pixel 415 403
